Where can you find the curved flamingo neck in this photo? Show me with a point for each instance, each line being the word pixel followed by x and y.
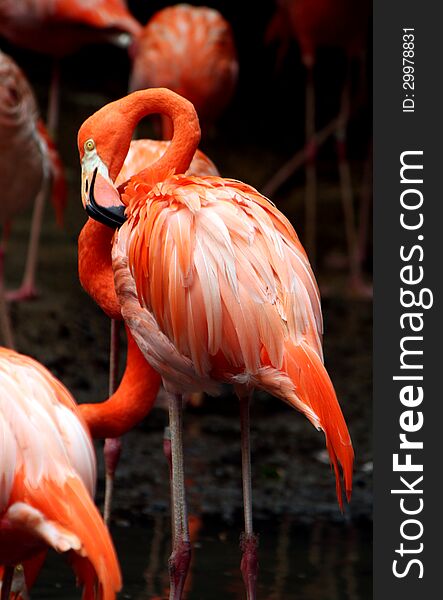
pixel 186 130
pixel 95 267
pixel 130 403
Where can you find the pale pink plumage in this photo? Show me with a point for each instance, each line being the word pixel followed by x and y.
pixel 47 476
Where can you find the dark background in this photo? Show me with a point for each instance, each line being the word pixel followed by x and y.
pixel 292 481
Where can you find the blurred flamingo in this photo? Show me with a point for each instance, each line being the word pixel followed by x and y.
pixel 141 153
pixel 191 51
pixel 62 27
pixel 47 479
pixel 28 160
pixel 315 24
pixel 214 286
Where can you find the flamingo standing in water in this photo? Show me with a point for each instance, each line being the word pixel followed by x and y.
pixel 28 161
pixel 62 27
pixel 315 24
pixel 215 288
pixel 97 279
pixel 47 480
pixel 190 50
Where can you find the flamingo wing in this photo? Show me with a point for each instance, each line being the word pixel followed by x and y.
pixel 222 272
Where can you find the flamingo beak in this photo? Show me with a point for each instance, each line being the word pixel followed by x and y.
pixel 101 199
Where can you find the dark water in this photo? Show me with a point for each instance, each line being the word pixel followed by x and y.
pixel 319 561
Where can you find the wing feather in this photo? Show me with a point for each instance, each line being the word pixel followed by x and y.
pixel 224 267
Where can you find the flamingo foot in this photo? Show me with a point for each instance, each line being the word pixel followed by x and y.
pixel 27 291
pixel 179 562
pixel 249 564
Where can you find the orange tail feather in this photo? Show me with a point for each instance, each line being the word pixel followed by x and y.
pixel 314 388
pixel 71 507
pixel 304 383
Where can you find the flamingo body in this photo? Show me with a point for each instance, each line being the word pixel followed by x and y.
pixel 48 475
pixel 60 27
pixel 216 287
pixel 28 155
pixel 191 51
pixel 23 152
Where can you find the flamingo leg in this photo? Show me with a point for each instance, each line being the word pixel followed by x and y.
pixel 27 289
pixel 113 446
pixel 5 321
pixel 357 285
pixel 310 169
pixel 8 574
pixel 249 541
pixel 167 451
pixel 181 549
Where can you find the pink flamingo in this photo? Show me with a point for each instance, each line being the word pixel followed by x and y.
pixel 28 161
pixel 47 480
pixel 190 50
pixel 214 286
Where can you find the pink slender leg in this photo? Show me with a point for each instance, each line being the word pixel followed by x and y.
pixel 310 170
pixel 180 558
pixel 27 290
pixel 248 541
pixel 5 321
pixel 113 446
pixel 7 583
pixel 167 451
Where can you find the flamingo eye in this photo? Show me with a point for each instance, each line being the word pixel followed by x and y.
pixel 89 145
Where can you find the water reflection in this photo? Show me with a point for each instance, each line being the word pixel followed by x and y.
pixel 321 561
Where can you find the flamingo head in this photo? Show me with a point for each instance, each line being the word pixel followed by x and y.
pixel 103 143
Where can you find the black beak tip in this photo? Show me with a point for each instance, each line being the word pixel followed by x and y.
pixel 112 216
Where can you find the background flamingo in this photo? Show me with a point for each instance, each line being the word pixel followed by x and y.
pixel 47 479
pixel 61 27
pixel 191 51
pixel 214 286
pixel 316 24
pixel 28 161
